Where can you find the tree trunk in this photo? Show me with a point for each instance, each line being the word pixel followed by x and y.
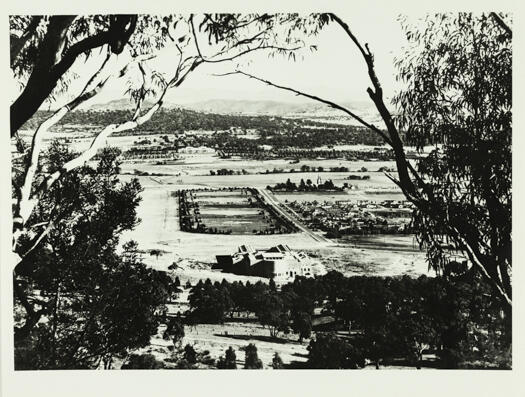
pixel 40 84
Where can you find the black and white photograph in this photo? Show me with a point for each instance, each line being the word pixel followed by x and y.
pixel 291 190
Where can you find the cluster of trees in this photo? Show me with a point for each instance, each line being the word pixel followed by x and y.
pixel 225 171
pixel 307 186
pixel 382 319
pixel 145 153
pixel 306 136
pixel 181 358
pixel 353 177
pixel 214 303
pixel 164 121
pixel 351 155
pixel 259 149
pixel 309 168
pixel 179 119
pixel 454 317
pixel 251 359
pixel 337 229
pixel 276 131
pixel 189 213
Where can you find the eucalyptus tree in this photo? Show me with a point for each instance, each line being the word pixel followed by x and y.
pixel 457 71
pixel 78 303
pixel 43 49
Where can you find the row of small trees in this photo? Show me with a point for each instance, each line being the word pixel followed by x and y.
pixel 188 358
pixel 307 186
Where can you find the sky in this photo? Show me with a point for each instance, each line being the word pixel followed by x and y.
pixel 336 71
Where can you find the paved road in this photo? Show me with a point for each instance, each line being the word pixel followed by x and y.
pixel 270 199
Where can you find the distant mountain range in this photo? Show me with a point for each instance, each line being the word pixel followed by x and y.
pixel 269 107
pixel 255 107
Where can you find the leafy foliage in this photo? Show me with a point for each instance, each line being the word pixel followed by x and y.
pixel 273 313
pixel 174 330
pixel 189 354
pixel 95 302
pixel 209 304
pixel 458 72
pixel 327 351
pixel 151 34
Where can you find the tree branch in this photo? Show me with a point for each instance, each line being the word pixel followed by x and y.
pixel 502 24
pixel 32 316
pixel 77 49
pixel 104 134
pixel 36 241
pixel 39 85
pixel 48 71
pixel 474 258
pixel 23 207
pixel 96 74
pixel 261 46
pixel 142 91
pixel 376 95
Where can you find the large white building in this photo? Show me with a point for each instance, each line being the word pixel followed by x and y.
pixel 279 263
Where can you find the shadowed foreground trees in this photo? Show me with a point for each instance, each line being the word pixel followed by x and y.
pixel 277 362
pixel 208 303
pixel 78 302
pixel 327 351
pixel 383 319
